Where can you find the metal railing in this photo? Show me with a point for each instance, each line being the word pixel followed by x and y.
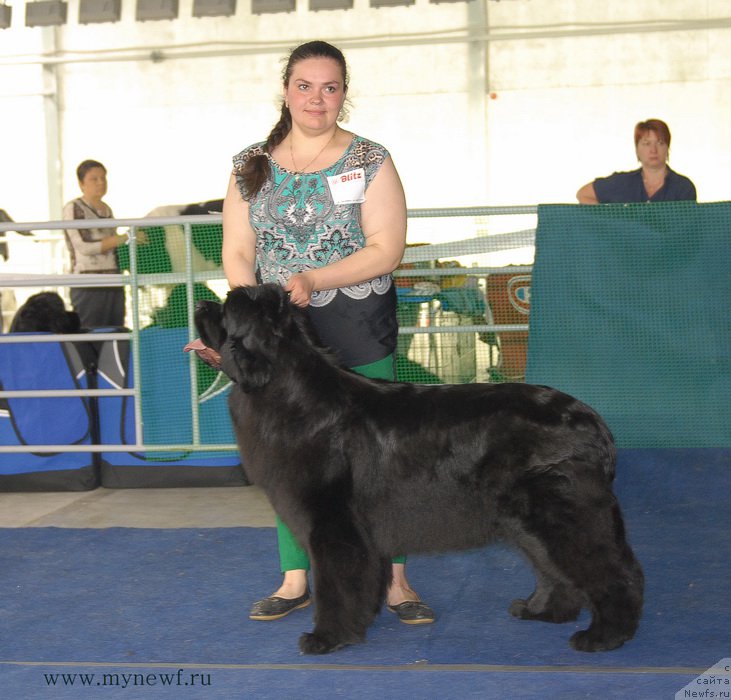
pixel 477 245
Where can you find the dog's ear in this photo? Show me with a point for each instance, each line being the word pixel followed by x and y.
pixel 276 309
pixel 209 324
pixel 251 370
pixel 29 319
pixel 16 325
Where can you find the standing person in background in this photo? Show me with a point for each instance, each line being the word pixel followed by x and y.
pixel 322 212
pixel 92 250
pixel 8 304
pixel 655 181
pixel 4 218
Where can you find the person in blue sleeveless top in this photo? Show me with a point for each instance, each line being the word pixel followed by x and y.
pixel 321 211
pixel 655 181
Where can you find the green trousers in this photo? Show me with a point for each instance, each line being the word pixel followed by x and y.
pixel 291 555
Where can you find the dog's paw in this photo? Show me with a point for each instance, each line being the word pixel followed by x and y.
pixel 314 643
pixel 588 640
pixel 521 609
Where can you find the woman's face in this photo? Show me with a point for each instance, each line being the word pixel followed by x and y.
pixel 315 93
pixel 652 151
pixel 94 184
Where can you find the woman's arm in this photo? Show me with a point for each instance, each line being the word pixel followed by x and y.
pixel 113 240
pixel 383 218
pixel 119 239
pixel 587 194
pixel 239 240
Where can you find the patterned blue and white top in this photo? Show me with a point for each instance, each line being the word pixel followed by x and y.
pixel 308 220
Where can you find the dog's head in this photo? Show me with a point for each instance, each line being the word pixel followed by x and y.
pixel 46 312
pixel 247 330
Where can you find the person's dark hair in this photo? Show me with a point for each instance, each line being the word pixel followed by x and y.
pixel 657 125
pixel 256 170
pixel 86 166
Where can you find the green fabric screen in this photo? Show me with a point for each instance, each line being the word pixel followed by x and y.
pixel 630 313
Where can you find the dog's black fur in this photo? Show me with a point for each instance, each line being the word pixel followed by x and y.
pixel 362 470
pixel 47 312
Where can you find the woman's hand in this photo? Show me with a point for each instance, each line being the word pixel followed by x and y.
pixel 300 288
pixel 121 239
pixel 383 220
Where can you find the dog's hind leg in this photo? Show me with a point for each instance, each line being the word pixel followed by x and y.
pixel 554 599
pixel 350 581
pixel 599 563
pixel 614 582
pixel 578 541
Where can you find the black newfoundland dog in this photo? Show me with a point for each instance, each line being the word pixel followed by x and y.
pixel 45 312
pixel 362 470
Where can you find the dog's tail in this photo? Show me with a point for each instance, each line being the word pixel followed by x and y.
pixel 596 438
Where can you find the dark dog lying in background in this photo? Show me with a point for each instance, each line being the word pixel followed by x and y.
pixel 362 470
pixel 45 312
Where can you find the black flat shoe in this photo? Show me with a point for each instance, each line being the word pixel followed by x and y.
pixel 413 612
pixel 274 607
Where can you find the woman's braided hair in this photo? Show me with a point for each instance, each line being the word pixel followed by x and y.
pixel 256 170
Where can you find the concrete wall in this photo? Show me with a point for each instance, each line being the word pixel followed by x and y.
pixel 481 102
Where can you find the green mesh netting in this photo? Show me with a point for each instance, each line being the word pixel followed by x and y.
pixel 627 307
pixel 630 313
pixel 165 249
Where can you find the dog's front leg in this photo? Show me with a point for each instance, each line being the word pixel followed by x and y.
pixel 350 581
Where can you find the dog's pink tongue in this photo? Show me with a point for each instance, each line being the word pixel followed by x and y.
pixel 194 345
pixel 208 355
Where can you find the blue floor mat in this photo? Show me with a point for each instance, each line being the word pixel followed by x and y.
pixel 174 683
pixel 126 597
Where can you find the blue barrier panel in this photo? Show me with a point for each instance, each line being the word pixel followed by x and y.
pixel 45 421
pixel 166 415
